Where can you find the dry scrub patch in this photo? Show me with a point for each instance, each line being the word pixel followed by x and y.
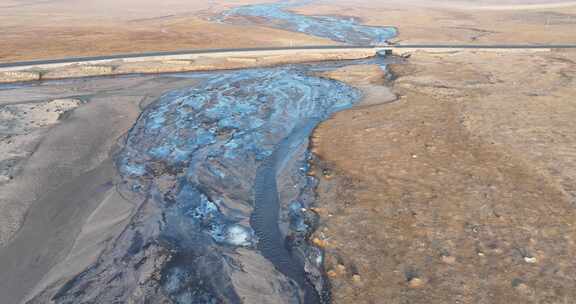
pixel 459 192
pixel 56 29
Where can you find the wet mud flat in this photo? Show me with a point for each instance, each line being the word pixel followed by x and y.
pixel 57 170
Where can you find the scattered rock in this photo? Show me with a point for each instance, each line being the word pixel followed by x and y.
pixel 415 283
pixel 341 269
pixel 448 259
pixel 320 243
pixel 521 286
pixel 327 173
pixel 530 259
pixel 319 211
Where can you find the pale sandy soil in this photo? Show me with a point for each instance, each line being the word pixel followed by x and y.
pixel 370 79
pixel 462 191
pixel 21 127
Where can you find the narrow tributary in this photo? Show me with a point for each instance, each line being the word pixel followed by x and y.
pixel 265 217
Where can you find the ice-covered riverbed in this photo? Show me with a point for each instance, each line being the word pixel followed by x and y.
pixel 222 166
pixel 341 29
pixel 220 138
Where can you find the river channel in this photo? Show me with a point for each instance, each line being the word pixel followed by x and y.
pixel 219 171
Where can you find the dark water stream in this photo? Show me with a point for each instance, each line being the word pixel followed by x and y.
pixel 265 217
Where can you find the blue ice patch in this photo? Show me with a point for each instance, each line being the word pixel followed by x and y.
pixel 345 30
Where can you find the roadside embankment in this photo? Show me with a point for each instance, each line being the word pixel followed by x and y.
pixel 176 63
pixel 223 59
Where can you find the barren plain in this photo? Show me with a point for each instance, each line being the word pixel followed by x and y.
pixel 464 189
pixel 57 29
pixel 452 181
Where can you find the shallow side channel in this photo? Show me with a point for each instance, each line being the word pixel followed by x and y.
pixel 265 217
